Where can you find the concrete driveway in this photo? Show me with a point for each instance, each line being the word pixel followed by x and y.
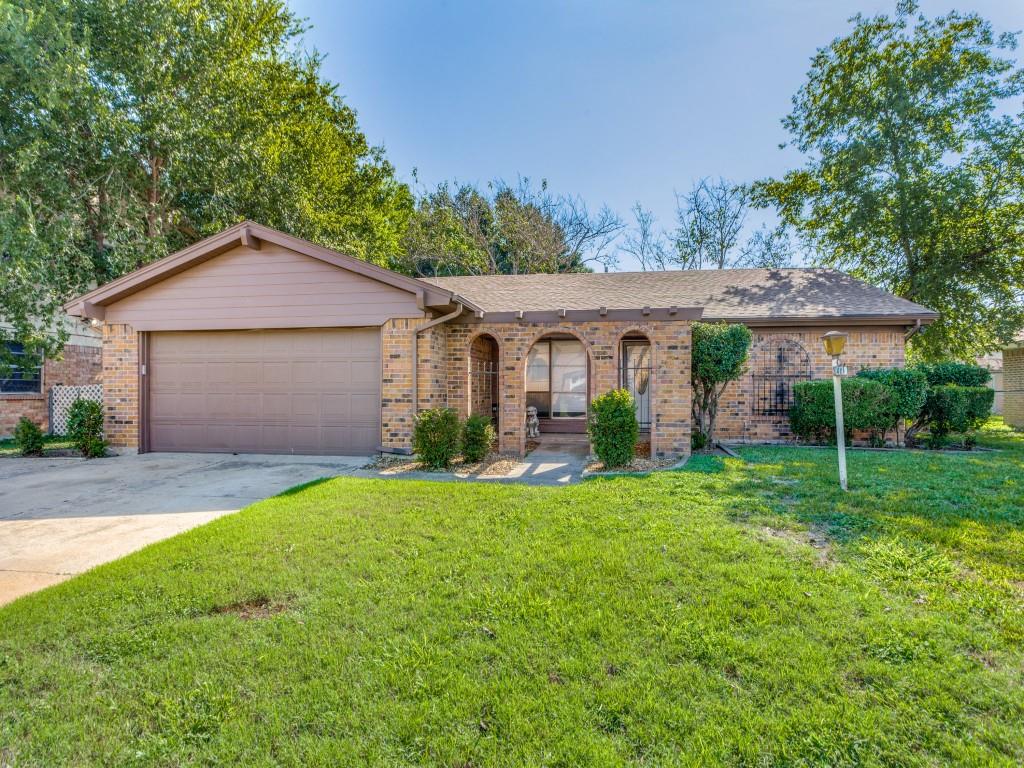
pixel 62 516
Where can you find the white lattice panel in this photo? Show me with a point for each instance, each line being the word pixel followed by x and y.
pixel 61 398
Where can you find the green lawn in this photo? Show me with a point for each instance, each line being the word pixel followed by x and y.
pixel 677 619
pixel 50 442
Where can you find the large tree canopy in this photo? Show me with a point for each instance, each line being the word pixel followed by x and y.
pixel 915 173
pixel 460 230
pixel 130 129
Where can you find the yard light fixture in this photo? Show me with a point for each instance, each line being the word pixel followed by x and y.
pixel 835 343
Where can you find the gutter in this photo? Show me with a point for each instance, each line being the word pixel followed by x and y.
pixel 915 329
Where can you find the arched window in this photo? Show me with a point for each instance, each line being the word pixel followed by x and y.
pixel 778 364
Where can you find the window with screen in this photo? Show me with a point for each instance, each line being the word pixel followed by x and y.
pixel 20 373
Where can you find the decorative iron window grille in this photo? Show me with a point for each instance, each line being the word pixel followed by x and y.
pixel 23 373
pixel 778 365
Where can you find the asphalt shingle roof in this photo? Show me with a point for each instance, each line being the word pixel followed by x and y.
pixel 725 294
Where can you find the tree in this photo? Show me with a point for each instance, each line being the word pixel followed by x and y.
pixel 914 178
pixel 767 249
pixel 459 230
pixel 645 244
pixel 719 353
pixel 131 129
pixel 710 220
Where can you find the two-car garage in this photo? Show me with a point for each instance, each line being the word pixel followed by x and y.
pixel 310 391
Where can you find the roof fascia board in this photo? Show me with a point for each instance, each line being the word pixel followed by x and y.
pixel 650 314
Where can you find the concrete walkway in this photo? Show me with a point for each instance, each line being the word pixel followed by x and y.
pixel 558 465
pixel 62 516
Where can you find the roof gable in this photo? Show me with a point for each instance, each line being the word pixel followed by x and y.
pixel 249 235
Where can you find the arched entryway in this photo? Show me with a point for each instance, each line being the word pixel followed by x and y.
pixel 557 383
pixel 484 374
pixel 636 376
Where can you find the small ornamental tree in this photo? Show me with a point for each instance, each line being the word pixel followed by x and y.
pixel 613 427
pixel 719 355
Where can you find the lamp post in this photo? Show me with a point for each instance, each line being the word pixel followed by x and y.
pixel 835 342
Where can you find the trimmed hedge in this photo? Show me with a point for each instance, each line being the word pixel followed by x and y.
pixel 867 405
pixel 85 428
pixel 28 437
pixel 436 437
pixel 951 408
pixel 960 374
pixel 613 427
pixel 958 401
pixel 478 436
pixel 909 389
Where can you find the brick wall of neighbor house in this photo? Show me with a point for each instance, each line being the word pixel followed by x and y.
pixel 1013 387
pixel 739 417
pixel 670 390
pixel 121 385
pixel 78 365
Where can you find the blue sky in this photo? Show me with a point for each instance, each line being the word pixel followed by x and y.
pixel 614 101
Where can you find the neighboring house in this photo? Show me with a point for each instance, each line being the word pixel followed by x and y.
pixel 25 390
pixel 1013 383
pixel 993 363
pixel 256 341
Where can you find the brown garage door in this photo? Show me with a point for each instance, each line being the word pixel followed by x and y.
pixel 293 391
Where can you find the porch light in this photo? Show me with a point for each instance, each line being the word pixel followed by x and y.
pixel 835 343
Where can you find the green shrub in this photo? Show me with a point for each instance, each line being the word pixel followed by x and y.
pixel 960 374
pixel 435 437
pixel 28 437
pixel 909 388
pixel 958 401
pixel 867 405
pixel 613 427
pixel 718 356
pixel 85 428
pixel 951 408
pixel 697 440
pixel 478 436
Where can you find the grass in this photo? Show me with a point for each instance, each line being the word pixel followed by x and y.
pixel 50 443
pixel 677 619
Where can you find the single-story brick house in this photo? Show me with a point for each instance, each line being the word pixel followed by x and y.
pixel 25 388
pixel 256 341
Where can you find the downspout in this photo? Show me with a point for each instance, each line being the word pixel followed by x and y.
pixel 912 331
pixel 416 348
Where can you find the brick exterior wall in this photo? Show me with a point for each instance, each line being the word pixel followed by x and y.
pixel 1013 387
pixel 121 385
pixel 444 365
pixel 739 419
pixel 77 365
pixel 670 388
